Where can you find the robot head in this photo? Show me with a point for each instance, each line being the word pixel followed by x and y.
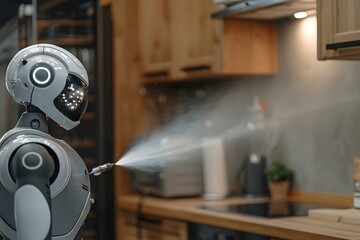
pixel 51 79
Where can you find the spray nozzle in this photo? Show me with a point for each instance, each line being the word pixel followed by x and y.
pixel 96 171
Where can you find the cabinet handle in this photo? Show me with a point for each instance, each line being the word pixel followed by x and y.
pixel 152 220
pixel 334 46
pixel 156 74
pixel 196 68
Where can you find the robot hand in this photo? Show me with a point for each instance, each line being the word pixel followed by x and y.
pixel 44 185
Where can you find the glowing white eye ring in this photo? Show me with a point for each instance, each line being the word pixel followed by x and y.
pixel 37 80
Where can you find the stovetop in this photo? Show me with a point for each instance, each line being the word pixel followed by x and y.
pixel 272 209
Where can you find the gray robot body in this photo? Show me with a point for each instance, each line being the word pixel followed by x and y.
pixel 70 189
pixel 44 184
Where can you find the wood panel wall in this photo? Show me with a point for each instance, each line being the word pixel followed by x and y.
pixel 132 118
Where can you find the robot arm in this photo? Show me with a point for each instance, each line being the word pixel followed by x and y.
pixel 31 167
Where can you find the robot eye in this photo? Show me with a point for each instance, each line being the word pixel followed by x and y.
pixel 41 75
pixel 73 100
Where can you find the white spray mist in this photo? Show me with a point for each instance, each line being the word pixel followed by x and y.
pixel 214 118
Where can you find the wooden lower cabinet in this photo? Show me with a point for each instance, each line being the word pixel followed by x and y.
pixel 149 228
pixel 155 228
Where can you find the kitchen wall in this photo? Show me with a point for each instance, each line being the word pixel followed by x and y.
pixel 317 104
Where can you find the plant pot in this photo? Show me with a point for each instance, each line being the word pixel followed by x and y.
pixel 279 190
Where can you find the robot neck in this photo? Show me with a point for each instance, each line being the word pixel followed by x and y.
pixel 33 118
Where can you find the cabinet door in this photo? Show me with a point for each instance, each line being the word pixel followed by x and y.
pixel 179 39
pixel 196 37
pixel 154 28
pixel 250 47
pixel 338 29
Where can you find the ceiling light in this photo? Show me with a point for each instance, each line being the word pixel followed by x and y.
pixel 300 15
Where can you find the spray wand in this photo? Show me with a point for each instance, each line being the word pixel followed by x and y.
pixel 96 171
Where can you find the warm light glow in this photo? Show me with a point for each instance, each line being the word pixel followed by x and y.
pixel 307 31
pixel 300 15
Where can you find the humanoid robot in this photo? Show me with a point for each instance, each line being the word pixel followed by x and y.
pixel 44 184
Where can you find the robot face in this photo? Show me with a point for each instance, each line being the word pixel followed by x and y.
pixel 73 100
pixel 51 79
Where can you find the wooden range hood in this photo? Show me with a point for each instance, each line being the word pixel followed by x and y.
pixel 264 9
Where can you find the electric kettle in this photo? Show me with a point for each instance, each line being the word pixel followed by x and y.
pixel 251 177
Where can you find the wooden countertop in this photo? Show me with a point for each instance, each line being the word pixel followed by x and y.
pixel 286 228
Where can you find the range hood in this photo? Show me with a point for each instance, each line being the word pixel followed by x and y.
pixel 263 9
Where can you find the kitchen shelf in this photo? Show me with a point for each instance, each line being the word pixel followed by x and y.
pixel 64 42
pixel 43 23
pixel 54 6
pixel 68 42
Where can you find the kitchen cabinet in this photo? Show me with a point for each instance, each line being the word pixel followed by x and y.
pixel 179 39
pixel 249 47
pixel 338 29
pixel 154 36
pixel 150 228
pixel 171 40
pixel 195 212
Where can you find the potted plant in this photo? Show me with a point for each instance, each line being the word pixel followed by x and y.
pixel 279 177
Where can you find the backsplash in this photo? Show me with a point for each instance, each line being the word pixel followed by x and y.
pixel 317 104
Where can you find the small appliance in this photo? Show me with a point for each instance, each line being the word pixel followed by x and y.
pixel 251 177
pixel 180 176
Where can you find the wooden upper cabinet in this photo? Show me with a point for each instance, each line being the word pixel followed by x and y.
pixel 338 29
pixel 179 39
pixel 249 47
pixel 196 37
pixel 155 36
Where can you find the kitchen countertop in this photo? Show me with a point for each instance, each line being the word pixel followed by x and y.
pixel 300 227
